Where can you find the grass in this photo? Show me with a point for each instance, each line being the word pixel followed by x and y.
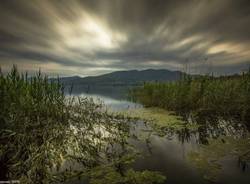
pixel 227 96
pixel 41 129
pixel 204 98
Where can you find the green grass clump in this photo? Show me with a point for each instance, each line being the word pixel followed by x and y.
pixel 227 96
pixel 42 130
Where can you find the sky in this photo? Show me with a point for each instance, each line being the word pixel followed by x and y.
pixel 93 37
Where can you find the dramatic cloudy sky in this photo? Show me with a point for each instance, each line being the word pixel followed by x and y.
pixel 92 37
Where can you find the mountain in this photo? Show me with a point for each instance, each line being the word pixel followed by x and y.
pixel 130 77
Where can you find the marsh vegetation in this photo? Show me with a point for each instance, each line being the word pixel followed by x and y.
pixel 216 110
pixel 47 136
pixel 44 134
pixel 226 96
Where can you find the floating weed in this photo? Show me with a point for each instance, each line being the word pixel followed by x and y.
pixel 207 158
pixel 109 175
pixel 158 117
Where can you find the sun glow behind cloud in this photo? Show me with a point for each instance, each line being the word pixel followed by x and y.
pixel 89 33
pixel 94 37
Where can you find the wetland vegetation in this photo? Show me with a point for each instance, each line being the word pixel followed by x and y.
pixel 50 137
pixel 214 109
pixel 45 134
pixel 225 96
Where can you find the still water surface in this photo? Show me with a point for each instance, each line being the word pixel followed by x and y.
pixel 169 154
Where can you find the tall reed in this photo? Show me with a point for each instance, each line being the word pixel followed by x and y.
pixel 41 130
pixel 227 96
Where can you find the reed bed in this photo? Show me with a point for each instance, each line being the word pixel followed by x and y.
pixel 226 96
pixel 44 135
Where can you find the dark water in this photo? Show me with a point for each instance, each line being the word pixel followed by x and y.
pixel 169 154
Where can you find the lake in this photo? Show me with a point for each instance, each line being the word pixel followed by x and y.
pixel 183 155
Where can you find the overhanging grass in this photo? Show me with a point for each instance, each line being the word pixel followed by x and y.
pixel 40 128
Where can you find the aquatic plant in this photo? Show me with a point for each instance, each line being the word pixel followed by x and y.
pixel 207 158
pixel 162 122
pixel 226 96
pixel 111 176
pixel 44 134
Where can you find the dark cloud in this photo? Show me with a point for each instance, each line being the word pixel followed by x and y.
pixel 91 37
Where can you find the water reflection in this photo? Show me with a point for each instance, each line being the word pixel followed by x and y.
pixel 208 129
pixel 114 104
pixel 167 149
